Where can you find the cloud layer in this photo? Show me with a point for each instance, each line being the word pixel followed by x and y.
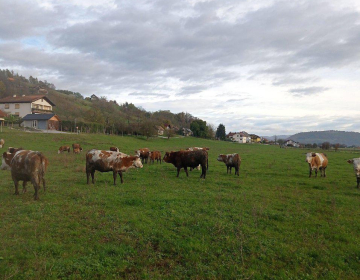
pixel 262 66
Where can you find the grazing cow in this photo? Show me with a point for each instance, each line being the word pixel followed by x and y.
pixel 76 148
pixel 105 161
pixel 155 155
pixel 114 149
pixel 231 160
pixel 356 164
pixel 317 161
pixel 144 154
pixel 26 166
pixel 64 149
pixel 12 150
pixel 185 159
pixel 2 142
pixel 200 149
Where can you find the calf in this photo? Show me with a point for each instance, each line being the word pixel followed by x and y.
pixel 185 159
pixel 317 161
pixel 26 166
pixel 356 164
pixel 231 160
pixel 155 155
pixel 2 142
pixel 144 154
pixel 76 148
pixel 64 149
pixel 114 149
pixel 12 150
pixel 105 161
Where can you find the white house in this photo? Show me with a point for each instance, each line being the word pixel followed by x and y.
pixel 240 137
pixel 291 143
pixel 26 104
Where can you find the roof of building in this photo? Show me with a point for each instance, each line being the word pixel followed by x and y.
pixel 25 99
pixel 38 117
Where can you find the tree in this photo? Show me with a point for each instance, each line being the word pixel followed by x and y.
pixel 281 141
pixel 325 146
pixel 336 146
pixel 314 145
pixel 147 128
pixel 210 131
pixel 169 133
pixel 2 89
pixel 199 128
pixel 220 132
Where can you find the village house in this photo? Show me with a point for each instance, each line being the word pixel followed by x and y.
pixel 160 129
pixel 291 143
pixel 41 121
pixel 26 104
pixel 240 137
pixel 186 131
pixel 255 138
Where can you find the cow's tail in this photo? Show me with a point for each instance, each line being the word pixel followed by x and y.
pixel 42 168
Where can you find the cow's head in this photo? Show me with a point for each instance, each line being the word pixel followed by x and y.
pixel 356 164
pixel 6 161
pixel 309 157
pixel 137 163
pixel 221 158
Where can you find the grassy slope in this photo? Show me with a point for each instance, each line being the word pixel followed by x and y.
pixel 271 222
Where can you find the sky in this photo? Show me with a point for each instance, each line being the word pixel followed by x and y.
pixel 263 66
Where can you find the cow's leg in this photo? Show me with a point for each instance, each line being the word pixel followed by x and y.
pixel 358 182
pixel 325 172
pixel 36 183
pixel 93 176
pixel 16 183
pixel 203 171
pixel 186 171
pixel 24 187
pixel 44 184
pixel 178 171
pixel 114 176
pixel 230 169
pixel 236 170
pixel 87 177
pixel 120 174
pixel 316 171
pixel 310 172
pixel 227 169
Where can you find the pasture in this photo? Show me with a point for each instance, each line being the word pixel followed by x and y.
pixel 271 222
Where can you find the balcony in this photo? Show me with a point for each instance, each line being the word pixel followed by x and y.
pixel 41 111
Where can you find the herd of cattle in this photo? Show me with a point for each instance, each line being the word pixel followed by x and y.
pixel 27 165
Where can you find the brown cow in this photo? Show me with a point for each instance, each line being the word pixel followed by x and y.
pixel 155 155
pixel 76 148
pixel 26 166
pixel 231 160
pixel 144 154
pixel 185 159
pixel 64 149
pixel 2 142
pixel 317 161
pixel 114 149
pixel 12 150
pixel 105 161
pixel 201 149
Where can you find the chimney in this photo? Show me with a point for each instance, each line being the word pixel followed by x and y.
pixel 14 95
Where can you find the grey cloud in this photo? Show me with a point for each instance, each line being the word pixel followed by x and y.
pixel 189 90
pixel 307 90
pixel 150 95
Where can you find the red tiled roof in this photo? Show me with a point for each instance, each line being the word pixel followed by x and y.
pixel 2 114
pixel 25 99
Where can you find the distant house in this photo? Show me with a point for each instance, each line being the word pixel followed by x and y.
pixel 186 131
pixel 26 104
pixel 94 98
pixel 240 137
pixel 160 130
pixel 255 138
pixel 291 143
pixel 41 121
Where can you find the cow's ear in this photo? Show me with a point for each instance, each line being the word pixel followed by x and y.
pixel 350 161
pixel 313 155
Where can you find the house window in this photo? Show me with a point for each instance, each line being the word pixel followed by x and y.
pixel 34 124
pixel 17 106
pixel 17 114
pixel 7 106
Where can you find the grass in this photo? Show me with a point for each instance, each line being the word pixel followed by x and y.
pixel 272 222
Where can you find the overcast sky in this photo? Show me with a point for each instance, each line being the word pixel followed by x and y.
pixel 264 66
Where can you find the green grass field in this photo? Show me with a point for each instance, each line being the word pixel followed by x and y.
pixel 272 222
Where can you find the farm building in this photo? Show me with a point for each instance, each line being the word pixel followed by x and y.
pixel 41 121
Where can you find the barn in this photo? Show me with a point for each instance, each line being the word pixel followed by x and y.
pixel 41 121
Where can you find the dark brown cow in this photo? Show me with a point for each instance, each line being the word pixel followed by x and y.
pixel 155 155
pixel 201 149
pixel 114 149
pixel 105 161
pixel 64 149
pixel 76 148
pixel 185 159
pixel 13 150
pixel 26 166
pixel 144 154
pixel 2 142
pixel 231 160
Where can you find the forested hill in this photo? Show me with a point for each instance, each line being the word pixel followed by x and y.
pixel 98 114
pixel 332 136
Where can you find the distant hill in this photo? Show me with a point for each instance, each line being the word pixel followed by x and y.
pixel 332 136
pixel 272 138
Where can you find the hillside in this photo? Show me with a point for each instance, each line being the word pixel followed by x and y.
pixel 332 136
pixel 93 115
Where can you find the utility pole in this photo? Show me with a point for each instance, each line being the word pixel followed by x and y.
pixel 75 125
